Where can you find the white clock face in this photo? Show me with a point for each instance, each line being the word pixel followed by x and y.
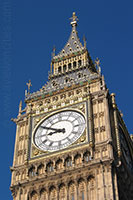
pixel 59 130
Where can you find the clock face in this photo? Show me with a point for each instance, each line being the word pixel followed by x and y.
pixel 59 130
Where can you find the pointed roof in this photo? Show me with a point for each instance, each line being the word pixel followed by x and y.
pixel 73 45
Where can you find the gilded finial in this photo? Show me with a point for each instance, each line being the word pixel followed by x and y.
pixel 74 19
pixel 29 86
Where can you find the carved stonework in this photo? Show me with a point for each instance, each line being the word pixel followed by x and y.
pixel 75 113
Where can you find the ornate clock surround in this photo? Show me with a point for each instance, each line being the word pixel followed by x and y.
pixel 81 107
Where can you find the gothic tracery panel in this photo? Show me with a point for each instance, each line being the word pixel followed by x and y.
pixel 43 195
pixel 72 191
pixel 53 193
pixel 62 192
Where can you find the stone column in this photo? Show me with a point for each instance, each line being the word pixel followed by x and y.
pixel 57 193
pixel 115 184
pixel 103 181
pixel 48 194
pixel 77 195
pixel 116 125
pixel 86 194
pixel 28 138
pixel 90 121
pixel 108 124
pixel 107 117
pixel 67 189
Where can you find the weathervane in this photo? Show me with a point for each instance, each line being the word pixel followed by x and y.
pixel 29 86
pixel 97 63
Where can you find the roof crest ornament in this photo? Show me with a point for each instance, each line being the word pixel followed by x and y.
pixel 97 63
pixel 29 86
pixel 53 51
pixel 84 39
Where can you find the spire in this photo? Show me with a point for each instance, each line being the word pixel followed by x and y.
pixel 73 45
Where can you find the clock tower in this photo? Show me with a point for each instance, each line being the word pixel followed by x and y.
pixel 71 141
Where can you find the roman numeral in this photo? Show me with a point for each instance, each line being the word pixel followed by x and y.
pixel 51 143
pixel 44 141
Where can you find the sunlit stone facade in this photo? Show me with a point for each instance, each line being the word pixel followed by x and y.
pixel 95 164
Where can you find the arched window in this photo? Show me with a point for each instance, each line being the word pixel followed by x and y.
pixel 72 191
pixel 34 195
pixel 64 68
pixel 50 167
pixel 81 190
pixel 17 176
pixel 67 79
pixel 59 164
pixel 74 64
pixel 87 157
pixel 43 195
pixel 53 193
pixel 80 75
pixel 79 63
pixel 62 192
pixel 40 169
pixel 68 162
pixel 77 159
pixel 32 172
pixel 69 66
pixel 23 174
pixel 59 69
pixel 91 187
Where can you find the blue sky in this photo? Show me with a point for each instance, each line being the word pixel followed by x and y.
pixel 30 29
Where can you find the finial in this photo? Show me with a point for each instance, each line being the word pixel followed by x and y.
pixel 29 85
pixel 84 39
pixel 74 19
pixel 53 52
pixel 20 107
pixel 113 99
pixel 97 63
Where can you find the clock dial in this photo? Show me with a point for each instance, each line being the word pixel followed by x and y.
pixel 59 130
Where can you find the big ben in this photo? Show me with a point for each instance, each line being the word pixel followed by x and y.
pixel 71 140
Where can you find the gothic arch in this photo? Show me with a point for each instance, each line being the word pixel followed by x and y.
pixel 62 191
pixel 50 167
pixel 77 159
pixel 68 161
pixel 43 194
pixel 33 195
pixel 81 189
pixel 72 190
pixel 17 176
pixel 86 156
pixel 40 169
pixel 91 187
pixel 53 193
pixel 31 171
pixel 23 174
pixel 59 164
